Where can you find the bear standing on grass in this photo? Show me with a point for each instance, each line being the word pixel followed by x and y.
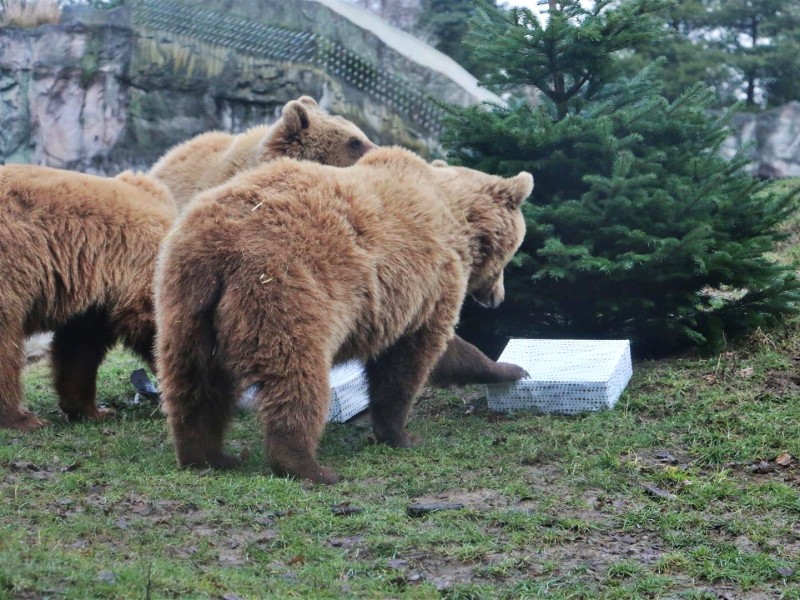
pixel 304 132
pixel 77 255
pixel 289 268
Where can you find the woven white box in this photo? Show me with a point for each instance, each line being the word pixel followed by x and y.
pixel 566 376
pixel 349 392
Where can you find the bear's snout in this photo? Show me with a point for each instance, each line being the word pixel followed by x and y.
pixel 492 295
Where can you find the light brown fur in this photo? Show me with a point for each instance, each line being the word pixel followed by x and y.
pixel 304 131
pixel 77 255
pixel 292 267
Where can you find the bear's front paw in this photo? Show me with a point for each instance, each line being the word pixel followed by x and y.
pixel 509 372
pixel 223 460
pixel 313 473
pixel 402 439
pixel 100 414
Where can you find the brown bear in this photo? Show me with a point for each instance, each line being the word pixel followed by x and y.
pixel 305 131
pixel 77 255
pixel 291 267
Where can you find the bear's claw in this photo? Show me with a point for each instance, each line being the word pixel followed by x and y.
pixel 510 372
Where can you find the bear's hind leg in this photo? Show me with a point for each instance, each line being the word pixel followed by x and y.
pixel 395 379
pixel 78 348
pixel 197 388
pixel 199 408
pixel 12 416
pixel 292 409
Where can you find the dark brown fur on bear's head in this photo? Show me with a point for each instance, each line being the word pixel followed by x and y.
pixel 306 132
pixel 496 235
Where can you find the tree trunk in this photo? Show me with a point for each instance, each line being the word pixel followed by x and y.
pixel 559 86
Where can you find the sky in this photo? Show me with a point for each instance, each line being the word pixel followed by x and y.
pixel 532 4
pixel 526 3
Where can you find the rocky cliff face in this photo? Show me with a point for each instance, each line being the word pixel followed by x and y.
pixel 106 90
pixel 770 140
pixel 403 14
pixel 63 97
pixel 100 93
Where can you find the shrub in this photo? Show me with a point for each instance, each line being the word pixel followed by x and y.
pixel 27 14
pixel 637 227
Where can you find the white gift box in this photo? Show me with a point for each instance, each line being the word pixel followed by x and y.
pixel 566 376
pixel 349 392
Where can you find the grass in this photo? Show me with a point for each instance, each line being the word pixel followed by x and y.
pixel 27 14
pixel 555 507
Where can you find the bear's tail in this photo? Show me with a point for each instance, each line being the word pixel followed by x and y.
pixel 196 387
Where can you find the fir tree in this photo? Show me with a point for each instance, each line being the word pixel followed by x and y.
pixel 744 49
pixel 448 21
pixel 689 55
pixel 636 227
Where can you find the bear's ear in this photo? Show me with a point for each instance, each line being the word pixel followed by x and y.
pixel 438 163
pixel 295 117
pixel 519 188
pixel 308 100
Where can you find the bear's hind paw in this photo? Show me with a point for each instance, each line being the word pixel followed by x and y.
pixel 326 476
pixel 23 421
pixel 221 460
pixel 93 414
pixel 403 439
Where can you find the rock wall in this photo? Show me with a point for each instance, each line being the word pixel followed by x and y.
pixel 106 90
pixel 100 92
pixel 63 96
pixel 770 140
pixel 403 14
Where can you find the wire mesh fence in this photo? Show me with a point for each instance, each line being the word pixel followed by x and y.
pixel 280 44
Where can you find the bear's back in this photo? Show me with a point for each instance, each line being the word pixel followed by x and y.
pixel 192 165
pixel 396 189
pixel 59 194
pixel 366 226
pixel 70 240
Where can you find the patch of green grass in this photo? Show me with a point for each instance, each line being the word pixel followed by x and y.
pixel 788 250
pixel 555 507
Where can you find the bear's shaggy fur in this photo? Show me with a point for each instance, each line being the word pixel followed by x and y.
pixel 304 132
pixel 291 267
pixel 77 255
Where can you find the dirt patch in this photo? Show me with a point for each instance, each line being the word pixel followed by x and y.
pixel 481 500
pixel 543 475
pixel 441 572
pixel 781 383
pixel 653 460
pixel 597 552
pixel 585 558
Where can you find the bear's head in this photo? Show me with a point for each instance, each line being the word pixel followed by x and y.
pixel 306 132
pixel 491 207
